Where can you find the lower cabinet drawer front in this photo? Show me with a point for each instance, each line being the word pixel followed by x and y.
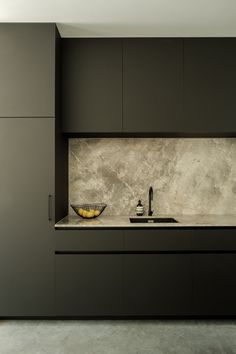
pixel 89 240
pixel 88 285
pixel 214 240
pixel 157 284
pixel 157 240
pixel 214 284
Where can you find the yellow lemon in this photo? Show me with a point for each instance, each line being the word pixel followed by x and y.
pixel 80 211
pixel 90 214
pixel 96 212
pixel 85 213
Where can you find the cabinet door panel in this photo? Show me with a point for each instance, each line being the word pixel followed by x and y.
pixel 92 85
pixel 152 84
pixel 209 85
pixel 27 70
pixel 26 243
pixel 214 284
pixel 157 284
pixel 88 285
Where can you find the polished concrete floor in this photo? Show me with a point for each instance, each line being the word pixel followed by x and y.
pixel 118 337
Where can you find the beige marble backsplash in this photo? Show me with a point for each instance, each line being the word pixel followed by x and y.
pixel 188 176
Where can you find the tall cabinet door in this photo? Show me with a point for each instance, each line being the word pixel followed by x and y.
pixel 209 85
pixel 152 85
pixel 26 182
pixel 27 69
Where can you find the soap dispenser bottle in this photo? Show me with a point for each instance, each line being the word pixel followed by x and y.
pixel 139 209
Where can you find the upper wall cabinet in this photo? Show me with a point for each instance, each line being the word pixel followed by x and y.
pixel 92 85
pixel 149 85
pixel 210 85
pixel 27 70
pixel 152 84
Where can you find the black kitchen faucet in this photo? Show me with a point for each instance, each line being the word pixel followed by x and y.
pixel 150 198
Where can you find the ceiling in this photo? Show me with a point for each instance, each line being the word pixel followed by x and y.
pixel 127 18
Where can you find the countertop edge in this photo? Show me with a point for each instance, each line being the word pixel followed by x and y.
pixel 72 222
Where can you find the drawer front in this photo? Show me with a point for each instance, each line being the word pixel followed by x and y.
pixel 214 284
pixel 89 240
pixel 157 284
pixel 157 240
pixel 214 240
pixel 88 285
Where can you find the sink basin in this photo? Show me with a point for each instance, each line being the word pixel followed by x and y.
pixel 152 220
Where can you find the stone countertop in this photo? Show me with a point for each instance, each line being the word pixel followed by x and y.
pixel 110 222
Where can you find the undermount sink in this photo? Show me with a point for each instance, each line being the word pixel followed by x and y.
pixel 142 220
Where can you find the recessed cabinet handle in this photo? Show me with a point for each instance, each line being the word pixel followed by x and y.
pixel 49 207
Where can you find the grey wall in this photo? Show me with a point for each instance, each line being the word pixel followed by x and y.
pixel 189 176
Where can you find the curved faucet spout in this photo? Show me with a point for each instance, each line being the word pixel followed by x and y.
pixel 150 199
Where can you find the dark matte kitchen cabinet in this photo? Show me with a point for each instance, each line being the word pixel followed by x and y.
pixel 157 284
pixel 214 284
pixel 27 69
pixel 92 85
pixel 158 272
pixel 182 86
pixel 209 85
pixel 152 85
pixel 26 231
pixel 89 284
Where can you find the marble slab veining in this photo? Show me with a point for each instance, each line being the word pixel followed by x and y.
pixel 75 222
pixel 189 176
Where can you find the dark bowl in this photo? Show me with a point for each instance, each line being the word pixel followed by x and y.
pixel 89 211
